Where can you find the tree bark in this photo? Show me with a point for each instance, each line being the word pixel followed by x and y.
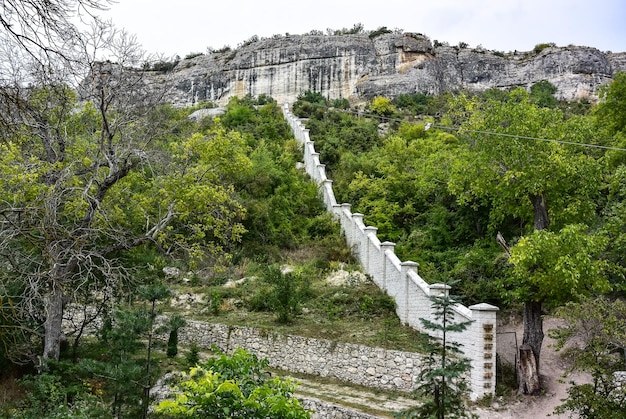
pixel 530 351
pixel 541 211
pixel 53 332
pixel 533 328
pixel 528 372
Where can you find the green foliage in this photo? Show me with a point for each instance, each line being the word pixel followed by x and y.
pixel 611 111
pixel 542 93
pixel 443 384
pixel 122 369
pixel 310 104
pixel 557 267
pixel 164 66
pixel 192 357
pixel 358 28
pixel 417 103
pixel 597 326
pixel 540 47
pixel 193 55
pixel 283 295
pixel 175 322
pixel 233 386
pixel 49 396
pixel 339 135
pixel 509 173
pixel 380 31
pixel 382 106
pixel 224 49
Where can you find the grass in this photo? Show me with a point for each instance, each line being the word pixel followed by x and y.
pixel 354 311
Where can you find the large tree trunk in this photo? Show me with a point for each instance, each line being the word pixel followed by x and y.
pixel 541 211
pixel 528 371
pixel 533 328
pixel 53 333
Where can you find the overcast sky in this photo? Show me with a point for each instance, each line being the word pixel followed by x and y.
pixel 180 27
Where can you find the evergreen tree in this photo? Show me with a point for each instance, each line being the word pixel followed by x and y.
pixel 443 384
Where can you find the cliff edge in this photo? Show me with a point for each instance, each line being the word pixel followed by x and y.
pixel 358 67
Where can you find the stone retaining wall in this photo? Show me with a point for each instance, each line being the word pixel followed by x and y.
pixel 367 366
pixel 325 410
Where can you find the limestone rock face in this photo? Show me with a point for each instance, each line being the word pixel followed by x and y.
pixel 357 68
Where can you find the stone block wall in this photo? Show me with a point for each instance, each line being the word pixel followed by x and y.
pixel 401 280
pixel 363 365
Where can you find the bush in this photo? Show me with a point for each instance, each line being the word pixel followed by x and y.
pixel 233 386
pixel 380 31
pixel 382 106
pixel 540 47
pixel 193 55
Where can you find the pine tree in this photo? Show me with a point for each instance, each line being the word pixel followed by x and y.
pixel 443 381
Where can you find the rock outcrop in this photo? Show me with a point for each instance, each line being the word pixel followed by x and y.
pixel 357 67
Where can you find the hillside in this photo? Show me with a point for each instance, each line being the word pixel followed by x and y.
pixel 360 66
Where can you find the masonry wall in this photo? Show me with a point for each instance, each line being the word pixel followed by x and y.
pixel 367 366
pixel 401 280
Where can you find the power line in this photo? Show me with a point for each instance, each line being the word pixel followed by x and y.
pixel 458 130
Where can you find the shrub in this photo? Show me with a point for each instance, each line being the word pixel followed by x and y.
pixel 380 31
pixel 382 106
pixel 540 47
pixel 193 55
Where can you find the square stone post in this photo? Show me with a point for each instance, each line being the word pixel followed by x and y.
pixel 384 248
pixel 405 268
pixel 483 357
pixel 369 232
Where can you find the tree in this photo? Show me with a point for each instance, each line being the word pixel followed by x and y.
pixel 233 386
pixel 69 173
pixel 175 323
pixel 524 181
pixel 443 383
pixel 382 106
pixel 542 93
pixel 611 111
pixel 151 293
pixel 45 25
pixel 555 268
pixel 594 338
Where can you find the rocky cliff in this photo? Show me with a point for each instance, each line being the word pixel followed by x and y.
pixel 357 67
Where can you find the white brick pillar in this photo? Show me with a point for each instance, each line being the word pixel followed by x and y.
pixel 367 253
pixel 337 211
pixel 439 290
pixel 321 170
pixel 405 268
pixel 356 235
pixel 386 265
pixel 346 222
pixel 483 356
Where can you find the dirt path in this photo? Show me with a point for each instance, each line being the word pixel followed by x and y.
pixel 382 404
pixel 555 386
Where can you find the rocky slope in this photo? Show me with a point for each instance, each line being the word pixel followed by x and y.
pixel 357 67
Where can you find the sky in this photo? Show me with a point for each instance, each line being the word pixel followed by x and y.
pixel 181 27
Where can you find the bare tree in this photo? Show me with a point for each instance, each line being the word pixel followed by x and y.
pixel 52 251
pixel 46 26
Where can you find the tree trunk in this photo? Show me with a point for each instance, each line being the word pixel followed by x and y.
pixel 527 371
pixel 531 345
pixel 541 211
pixel 53 332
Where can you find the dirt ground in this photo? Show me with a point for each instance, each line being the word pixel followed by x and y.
pixel 555 386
